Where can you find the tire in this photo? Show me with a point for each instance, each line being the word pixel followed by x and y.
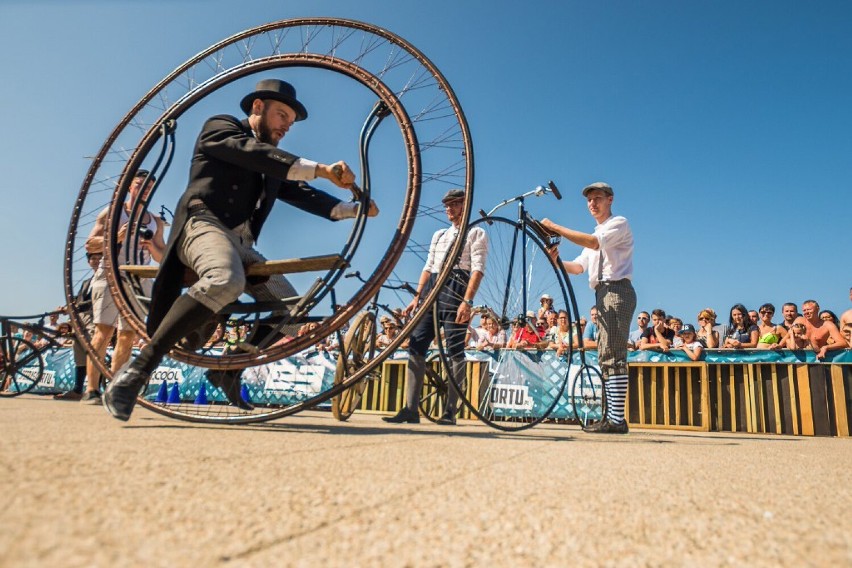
pixel 359 348
pixel 518 271
pixel 22 368
pixel 588 399
pixel 433 399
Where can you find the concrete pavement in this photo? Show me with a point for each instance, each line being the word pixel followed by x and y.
pixel 82 489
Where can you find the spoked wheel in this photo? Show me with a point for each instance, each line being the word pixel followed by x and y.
pixel 520 392
pixel 359 348
pixel 588 399
pixel 345 70
pixel 22 366
pixel 436 384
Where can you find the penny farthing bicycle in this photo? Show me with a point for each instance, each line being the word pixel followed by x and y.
pixel 414 144
pixel 519 392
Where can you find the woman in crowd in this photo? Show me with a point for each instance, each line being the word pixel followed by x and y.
pixel 390 329
pixel 742 334
pixel 493 337
pixel 708 336
pixel 546 306
pixel 828 315
pixel 562 338
pixel 771 336
pixel 523 335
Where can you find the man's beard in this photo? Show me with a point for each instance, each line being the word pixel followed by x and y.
pixel 264 133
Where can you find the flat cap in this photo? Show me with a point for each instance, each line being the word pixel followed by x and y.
pixel 605 187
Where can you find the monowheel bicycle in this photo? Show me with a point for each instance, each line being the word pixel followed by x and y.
pixel 520 392
pixel 347 68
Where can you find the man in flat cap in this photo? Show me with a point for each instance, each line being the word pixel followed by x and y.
pixel 608 258
pixel 237 174
pixel 453 307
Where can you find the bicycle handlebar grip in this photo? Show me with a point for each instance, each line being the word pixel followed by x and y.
pixel 554 189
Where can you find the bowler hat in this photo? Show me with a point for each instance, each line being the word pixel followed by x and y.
pixel 605 187
pixel 276 90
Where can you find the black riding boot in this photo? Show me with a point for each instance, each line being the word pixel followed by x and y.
pixel 185 315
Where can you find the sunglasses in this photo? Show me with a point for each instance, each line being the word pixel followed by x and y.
pixel 767 312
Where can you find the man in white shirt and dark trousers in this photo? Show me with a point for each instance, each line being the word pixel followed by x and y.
pixel 608 258
pixel 454 309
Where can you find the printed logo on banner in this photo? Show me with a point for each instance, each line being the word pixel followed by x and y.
pixel 48 379
pixel 284 376
pixel 168 374
pixel 511 397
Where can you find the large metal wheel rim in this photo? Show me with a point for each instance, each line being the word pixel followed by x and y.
pixel 465 172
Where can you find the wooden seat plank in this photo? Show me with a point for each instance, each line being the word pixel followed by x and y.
pixel 267 268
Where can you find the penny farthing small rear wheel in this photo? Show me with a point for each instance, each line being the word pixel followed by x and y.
pixel 345 70
pixel 519 392
pixel 359 348
pixel 588 397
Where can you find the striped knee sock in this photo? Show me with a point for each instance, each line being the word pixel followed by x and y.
pixel 616 391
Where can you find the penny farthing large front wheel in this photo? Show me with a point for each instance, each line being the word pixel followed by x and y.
pixel 519 391
pixel 417 147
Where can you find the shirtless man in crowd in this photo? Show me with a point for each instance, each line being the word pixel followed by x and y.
pixel 846 326
pixel 823 335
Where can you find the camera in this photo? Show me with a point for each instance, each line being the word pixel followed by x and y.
pixel 145 233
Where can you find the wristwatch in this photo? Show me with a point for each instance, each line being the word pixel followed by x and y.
pixel 469 302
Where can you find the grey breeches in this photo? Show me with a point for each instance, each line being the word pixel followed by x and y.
pixel 616 302
pixel 217 255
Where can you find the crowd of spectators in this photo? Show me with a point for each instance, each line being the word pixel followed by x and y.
pixel 812 329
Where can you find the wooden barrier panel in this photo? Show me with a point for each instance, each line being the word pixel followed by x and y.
pixel 807 399
pixel 668 395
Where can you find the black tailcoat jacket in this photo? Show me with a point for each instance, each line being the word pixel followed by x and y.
pixel 231 170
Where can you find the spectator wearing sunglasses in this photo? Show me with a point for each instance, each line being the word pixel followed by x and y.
pixel 633 339
pixel 771 336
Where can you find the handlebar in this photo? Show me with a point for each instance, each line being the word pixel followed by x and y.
pixel 404 286
pixel 539 191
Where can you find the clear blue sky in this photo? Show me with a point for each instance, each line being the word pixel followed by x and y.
pixel 725 127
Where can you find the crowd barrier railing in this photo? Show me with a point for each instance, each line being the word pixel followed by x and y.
pixel 753 391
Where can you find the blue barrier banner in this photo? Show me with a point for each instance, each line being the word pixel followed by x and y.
pixel 525 382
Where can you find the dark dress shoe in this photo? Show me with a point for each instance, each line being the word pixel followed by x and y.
pixel 229 382
pixel 403 416
pixel 607 427
pixel 446 420
pixel 120 395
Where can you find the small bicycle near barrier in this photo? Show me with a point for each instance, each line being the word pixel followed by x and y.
pixel 519 270
pixel 22 353
pixel 358 347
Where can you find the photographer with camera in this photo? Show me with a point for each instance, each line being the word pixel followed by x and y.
pixel 150 245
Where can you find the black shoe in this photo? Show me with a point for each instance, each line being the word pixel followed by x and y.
pixel 120 395
pixel 607 427
pixel 403 416
pixel 446 420
pixel 229 382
